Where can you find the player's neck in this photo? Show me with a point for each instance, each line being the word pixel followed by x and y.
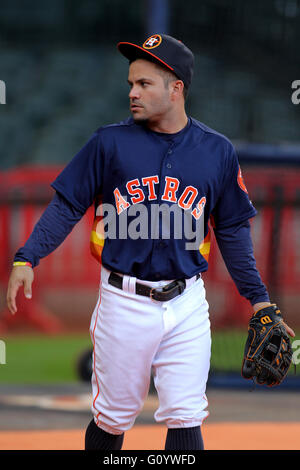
pixel 169 124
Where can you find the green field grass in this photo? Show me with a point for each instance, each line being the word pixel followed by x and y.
pixel 227 350
pixel 42 359
pixel 34 359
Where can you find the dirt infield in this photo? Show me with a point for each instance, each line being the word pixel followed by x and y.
pixel 221 436
pixel 55 418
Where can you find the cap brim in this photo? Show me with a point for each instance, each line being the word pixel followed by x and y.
pixel 132 52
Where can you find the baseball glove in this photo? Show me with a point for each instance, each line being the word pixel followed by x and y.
pixel 268 351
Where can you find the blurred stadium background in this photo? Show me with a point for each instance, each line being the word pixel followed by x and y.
pixel 64 79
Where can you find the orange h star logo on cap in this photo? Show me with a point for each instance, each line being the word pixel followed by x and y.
pixel 152 42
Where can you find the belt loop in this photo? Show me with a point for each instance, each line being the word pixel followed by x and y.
pixel 125 283
pixel 131 285
pixel 128 284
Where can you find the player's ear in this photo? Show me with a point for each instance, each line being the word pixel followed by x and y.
pixel 177 87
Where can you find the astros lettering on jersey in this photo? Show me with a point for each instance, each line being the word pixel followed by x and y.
pixel 197 169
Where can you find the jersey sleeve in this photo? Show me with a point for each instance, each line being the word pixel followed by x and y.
pixel 54 225
pixel 233 205
pixel 81 180
pixel 236 247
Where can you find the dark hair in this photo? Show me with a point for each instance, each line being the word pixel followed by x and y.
pixel 169 76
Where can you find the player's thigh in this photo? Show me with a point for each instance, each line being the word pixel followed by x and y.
pixel 181 369
pixel 125 335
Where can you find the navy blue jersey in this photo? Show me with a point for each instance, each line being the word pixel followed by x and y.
pixel 126 166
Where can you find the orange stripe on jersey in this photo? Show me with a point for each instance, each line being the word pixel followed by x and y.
pixel 240 181
pixel 205 246
pixel 97 238
pixel 94 358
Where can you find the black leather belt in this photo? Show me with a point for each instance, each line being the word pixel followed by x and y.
pixel 163 294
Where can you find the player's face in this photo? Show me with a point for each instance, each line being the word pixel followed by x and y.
pixel 149 98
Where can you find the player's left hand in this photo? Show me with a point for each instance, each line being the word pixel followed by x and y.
pixel 268 351
pixel 260 305
pixel 289 330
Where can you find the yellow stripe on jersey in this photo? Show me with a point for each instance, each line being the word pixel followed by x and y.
pixel 97 239
pixel 204 247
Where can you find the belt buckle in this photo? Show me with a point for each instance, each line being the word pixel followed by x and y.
pixel 151 294
pixel 153 290
pixel 178 284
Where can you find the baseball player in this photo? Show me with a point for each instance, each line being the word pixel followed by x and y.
pixel 157 179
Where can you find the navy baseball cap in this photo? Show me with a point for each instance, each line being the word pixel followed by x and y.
pixel 165 51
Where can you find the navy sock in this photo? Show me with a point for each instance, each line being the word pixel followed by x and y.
pixel 184 439
pixel 97 439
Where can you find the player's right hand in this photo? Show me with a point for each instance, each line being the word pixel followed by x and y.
pixel 20 276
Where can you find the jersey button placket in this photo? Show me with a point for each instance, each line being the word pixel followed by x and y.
pixel 159 244
pixel 169 152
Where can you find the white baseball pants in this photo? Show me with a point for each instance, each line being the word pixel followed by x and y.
pixel 133 335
